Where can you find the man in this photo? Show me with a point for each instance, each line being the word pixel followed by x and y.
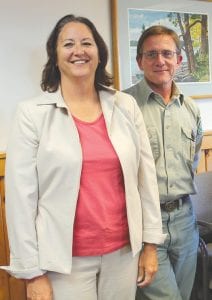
pixel 174 128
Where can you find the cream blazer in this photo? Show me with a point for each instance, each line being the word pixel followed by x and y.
pixel 43 168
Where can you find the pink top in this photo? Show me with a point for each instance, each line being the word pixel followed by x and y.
pixel 101 219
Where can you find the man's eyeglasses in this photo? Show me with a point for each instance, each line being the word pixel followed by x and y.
pixel 168 54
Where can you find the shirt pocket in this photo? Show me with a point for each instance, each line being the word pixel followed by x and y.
pixel 154 142
pixel 188 143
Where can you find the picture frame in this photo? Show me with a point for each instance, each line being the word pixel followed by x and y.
pixel 201 97
pixel 121 39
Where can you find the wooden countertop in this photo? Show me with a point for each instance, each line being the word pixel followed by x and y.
pixel 2 163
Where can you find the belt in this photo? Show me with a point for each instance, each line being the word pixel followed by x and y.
pixel 171 205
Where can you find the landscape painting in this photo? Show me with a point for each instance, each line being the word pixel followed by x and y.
pixel 192 29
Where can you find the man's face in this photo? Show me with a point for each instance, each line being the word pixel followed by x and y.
pixel 159 61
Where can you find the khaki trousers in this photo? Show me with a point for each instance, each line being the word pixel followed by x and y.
pixel 107 277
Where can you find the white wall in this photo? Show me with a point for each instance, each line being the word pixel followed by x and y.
pixel 24 28
pixel 205 106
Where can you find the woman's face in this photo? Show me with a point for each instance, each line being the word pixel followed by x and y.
pixel 77 52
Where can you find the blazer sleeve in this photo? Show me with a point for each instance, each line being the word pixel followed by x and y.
pixel 148 188
pixel 21 186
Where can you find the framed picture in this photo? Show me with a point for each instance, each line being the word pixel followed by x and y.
pixel 192 22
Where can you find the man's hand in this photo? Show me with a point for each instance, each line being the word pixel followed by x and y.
pixel 39 288
pixel 147 265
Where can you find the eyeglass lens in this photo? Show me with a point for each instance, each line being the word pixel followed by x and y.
pixel 165 53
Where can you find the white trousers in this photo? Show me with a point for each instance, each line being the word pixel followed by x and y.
pixel 108 277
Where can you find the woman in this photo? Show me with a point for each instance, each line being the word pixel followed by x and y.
pixel 81 191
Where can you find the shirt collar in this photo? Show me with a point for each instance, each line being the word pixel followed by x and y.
pixel 148 92
pixel 56 98
pixel 177 93
pixel 145 90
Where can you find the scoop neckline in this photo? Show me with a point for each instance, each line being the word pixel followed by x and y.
pixel 87 122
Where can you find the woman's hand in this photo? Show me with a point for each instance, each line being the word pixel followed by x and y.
pixel 39 288
pixel 147 265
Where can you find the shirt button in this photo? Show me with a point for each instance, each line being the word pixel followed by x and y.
pixel 171 185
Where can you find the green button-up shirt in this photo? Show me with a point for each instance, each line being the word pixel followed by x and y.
pixel 175 134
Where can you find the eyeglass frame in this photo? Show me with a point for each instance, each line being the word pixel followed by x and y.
pixel 162 52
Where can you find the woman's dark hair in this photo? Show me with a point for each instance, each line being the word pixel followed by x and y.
pixel 157 30
pixel 51 74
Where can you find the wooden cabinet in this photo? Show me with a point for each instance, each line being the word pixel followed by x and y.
pixel 205 164
pixel 10 287
pixel 4 283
